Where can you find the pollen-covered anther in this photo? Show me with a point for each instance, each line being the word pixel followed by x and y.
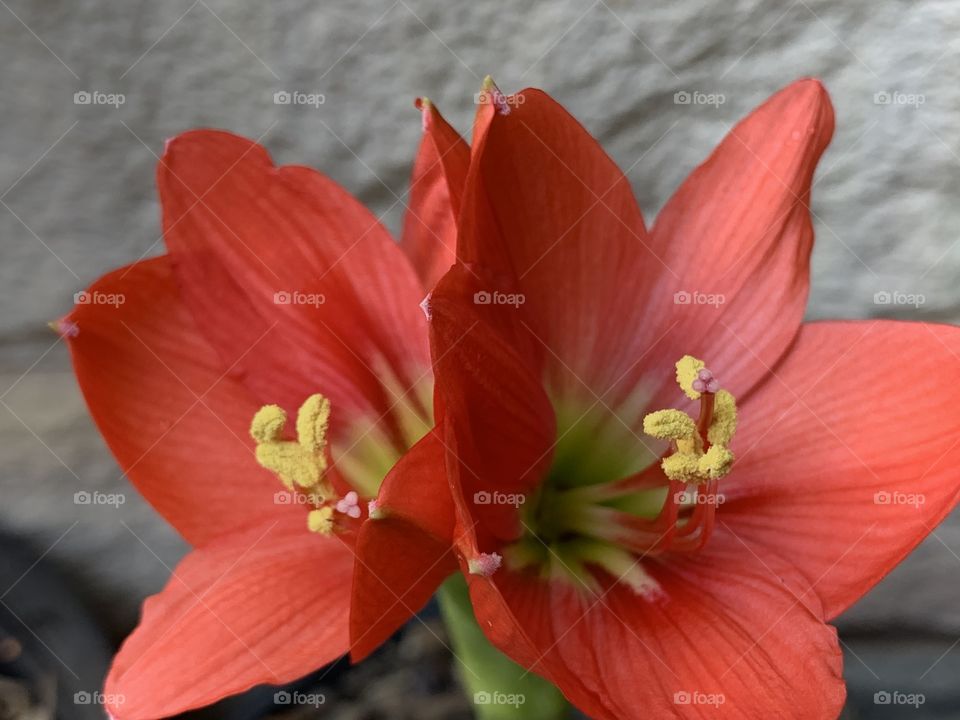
pixel 485 564
pixel 701 452
pixel 349 505
pixel 321 521
pixel 300 463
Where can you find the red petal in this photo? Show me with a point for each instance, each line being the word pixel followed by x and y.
pixel 436 188
pixel 403 557
pixel 854 410
pixel 263 606
pixel 501 420
pixel 739 229
pixel 551 217
pixel 725 625
pixel 157 391
pixel 241 230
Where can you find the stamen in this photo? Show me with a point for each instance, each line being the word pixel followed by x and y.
pixel 374 511
pixel 321 521
pixel 64 328
pixel 701 452
pixel 485 564
pixel 297 464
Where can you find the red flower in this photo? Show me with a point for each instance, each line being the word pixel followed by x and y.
pixel 645 588
pixel 277 285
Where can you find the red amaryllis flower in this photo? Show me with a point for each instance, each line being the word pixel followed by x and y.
pixel 652 563
pixel 278 291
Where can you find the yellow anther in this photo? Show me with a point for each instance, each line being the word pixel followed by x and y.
pixel 715 462
pixel 687 369
pixel 321 521
pixel 268 423
pixel 312 422
pixel 691 463
pixel 299 464
pixel 724 423
pixel 669 425
pixel 681 466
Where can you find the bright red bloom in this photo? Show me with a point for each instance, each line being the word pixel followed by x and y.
pixel 276 285
pixel 557 333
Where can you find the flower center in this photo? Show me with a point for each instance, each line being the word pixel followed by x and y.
pixel 362 458
pixel 596 512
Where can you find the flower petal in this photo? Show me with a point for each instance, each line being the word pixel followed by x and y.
pixel 501 423
pixel 436 189
pixel 177 425
pixel 846 456
pixel 263 606
pixel 736 237
pixel 404 556
pixel 552 219
pixel 725 636
pixel 293 281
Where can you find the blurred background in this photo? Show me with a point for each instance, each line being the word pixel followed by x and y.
pixel 91 89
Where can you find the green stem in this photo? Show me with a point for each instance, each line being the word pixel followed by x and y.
pixel 498 687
